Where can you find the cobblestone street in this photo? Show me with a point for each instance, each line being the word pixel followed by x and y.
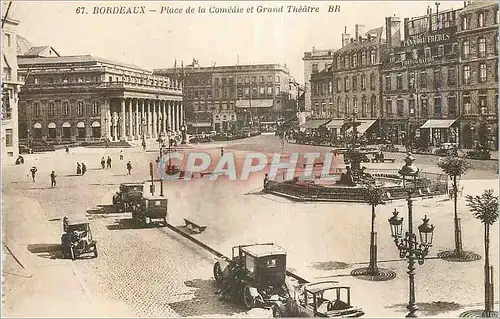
pixel 153 272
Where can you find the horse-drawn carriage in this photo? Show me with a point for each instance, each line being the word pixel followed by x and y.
pixel 77 238
pixel 129 195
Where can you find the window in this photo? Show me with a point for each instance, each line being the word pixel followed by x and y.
pixel 411 106
pixel 467 104
pixel 346 106
pixel 240 80
pixel 330 87
pixel 8 137
pixel 314 67
pixel 480 20
pixel 339 112
pixel 373 105
pixel 277 91
pixel 496 17
pixel 95 107
pixel 465 23
pixel 423 80
pixel 52 109
pixel 346 84
pixel 388 107
pixel 354 60
pixel 363 82
pixel 465 49
pixel 270 78
pixel 482 47
pixel 355 104
pixel 271 263
pixel 247 80
pixel 7 40
pixel 424 107
pixel 363 58
pixel 373 55
pixel 363 106
pixel 36 107
pixel 6 109
pixel 427 52
pixel 354 83
pixel 452 106
pixel 399 106
pixel 411 80
pixel 346 62
pixel 441 50
pixel 254 91
pixel 482 72
pixel 466 74
pixel 65 108
pixel 415 54
pixel 399 82
pixel 277 79
pixel 224 80
pixel 250 264
pixel 262 90
pixel 437 78
pixel 387 83
pixel 339 88
pixel 35 80
pixel 483 108
pixel 372 81
pixel 437 106
pixel 80 108
pixel 261 79
pixel 269 90
pixel 110 79
pixel 452 76
pixel 247 91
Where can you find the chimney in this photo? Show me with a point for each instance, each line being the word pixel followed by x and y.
pixel 345 37
pixel 359 31
pixel 393 31
pixel 406 28
pixel 429 13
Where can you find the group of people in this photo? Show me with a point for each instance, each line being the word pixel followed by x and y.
pixel 53 176
pixel 81 169
pixel 106 163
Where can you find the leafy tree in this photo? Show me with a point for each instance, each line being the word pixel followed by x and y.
pixel 455 167
pixel 485 208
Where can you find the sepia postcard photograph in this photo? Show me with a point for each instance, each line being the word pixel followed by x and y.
pixel 249 159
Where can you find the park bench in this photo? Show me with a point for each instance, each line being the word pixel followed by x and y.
pixel 378 160
pixel 193 226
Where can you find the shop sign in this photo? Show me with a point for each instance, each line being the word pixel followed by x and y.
pixel 423 39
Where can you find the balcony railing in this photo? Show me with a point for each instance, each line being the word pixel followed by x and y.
pixel 98 85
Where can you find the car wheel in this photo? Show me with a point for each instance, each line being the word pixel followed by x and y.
pixel 276 311
pixel 248 299
pixel 218 275
pixel 95 251
pixel 72 253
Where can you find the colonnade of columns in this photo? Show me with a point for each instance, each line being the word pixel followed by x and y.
pixel 131 119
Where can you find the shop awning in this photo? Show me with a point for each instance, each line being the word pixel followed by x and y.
pixel 254 103
pixel 313 124
pixel 335 124
pixel 201 124
pixel 364 126
pixel 438 124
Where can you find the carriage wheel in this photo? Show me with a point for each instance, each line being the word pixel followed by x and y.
pixel 248 299
pixel 218 273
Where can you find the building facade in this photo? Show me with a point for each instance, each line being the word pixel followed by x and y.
pixel 314 62
pixel 84 98
pixel 420 85
pixel 225 98
pixel 10 89
pixel 477 37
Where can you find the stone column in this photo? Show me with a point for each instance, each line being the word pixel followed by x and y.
pixel 143 119
pixel 177 117
pixel 153 118
pixel 130 126
pixel 136 122
pixel 105 120
pixel 115 125
pixel 181 114
pixel 123 133
pixel 149 117
pixel 169 115
pixel 164 112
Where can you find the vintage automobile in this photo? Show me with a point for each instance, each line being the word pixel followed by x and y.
pixel 77 238
pixel 128 195
pixel 255 275
pixel 325 299
pixel 150 209
pixel 480 154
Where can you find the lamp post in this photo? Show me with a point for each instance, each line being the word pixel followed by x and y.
pixel 161 139
pixel 408 246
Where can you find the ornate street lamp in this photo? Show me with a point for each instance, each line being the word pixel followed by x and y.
pixel 160 140
pixel 408 245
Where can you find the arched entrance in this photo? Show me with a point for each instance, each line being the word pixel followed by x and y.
pixel 52 130
pixel 81 130
pixel 66 130
pixel 467 137
pixel 37 130
pixel 96 129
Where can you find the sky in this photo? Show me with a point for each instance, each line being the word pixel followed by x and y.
pixel 156 40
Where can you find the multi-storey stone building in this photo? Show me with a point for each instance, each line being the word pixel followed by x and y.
pixel 224 98
pixel 314 62
pixel 420 81
pixel 83 98
pixel 478 39
pixel 10 89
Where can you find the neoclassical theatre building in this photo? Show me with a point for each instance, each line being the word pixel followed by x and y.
pixel 84 98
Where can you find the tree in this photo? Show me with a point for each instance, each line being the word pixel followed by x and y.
pixel 485 208
pixel 455 167
pixel 374 196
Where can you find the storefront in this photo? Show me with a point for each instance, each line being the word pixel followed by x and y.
pixel 437 131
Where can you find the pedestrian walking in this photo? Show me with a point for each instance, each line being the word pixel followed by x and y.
pixel 78 168
pixel 129 167
pixel 108 162
pixel 33 171
pixel 222 151
pixel 266 181
pixel 67 150
pixel 53 179
pixel 121 155
pixel 84 169
pixel 103 162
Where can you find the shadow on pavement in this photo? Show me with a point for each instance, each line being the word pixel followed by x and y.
pixel 71 175
pixel 103 209
pixel 49 251
pixel 330 265
pixel 430 308
pixel 204 301
pixel 48 187
pixel 129 223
